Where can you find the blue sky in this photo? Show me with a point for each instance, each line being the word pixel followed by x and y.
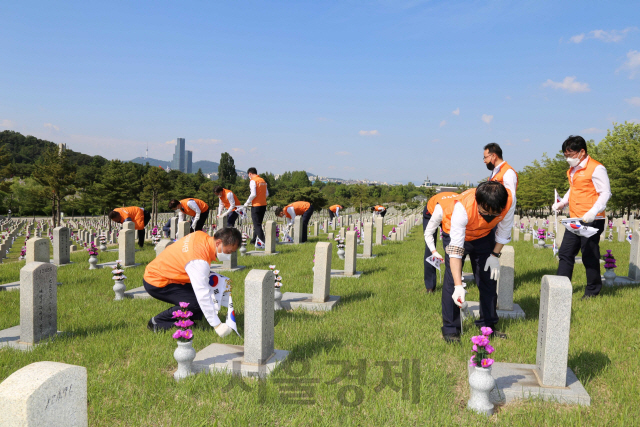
pixel 384 90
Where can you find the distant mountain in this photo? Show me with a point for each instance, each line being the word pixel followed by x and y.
pixel 205 165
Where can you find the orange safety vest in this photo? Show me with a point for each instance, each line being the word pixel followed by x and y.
pixel 441 199
pixel 477 227
pixel 335 207
pixel 500 175
pixel 169 266
pixel 298 207
pixel 136 214
pixel 225 201
pixel 261 192
pixel 380 208
pixel 583 194
pixel 186 209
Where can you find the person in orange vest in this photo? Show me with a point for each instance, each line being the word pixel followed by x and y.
pixel 229 201
pixel 195 208
pixel 258 202
pixel 139 216
pixel 433 209
pixel 467 226
pixel 378 210
pixel 501 171
pixel 589 192
pixel 292 210
pixel 334 212
pixel 181 274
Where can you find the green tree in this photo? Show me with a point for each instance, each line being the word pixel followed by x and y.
pixel 56 174
pixel 155 184
pixel 227 174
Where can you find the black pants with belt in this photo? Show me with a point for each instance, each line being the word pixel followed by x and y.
pixel 174 294
pixel 203 218
pixel 257 216
pixel 231 219
pixel 477 251
pixel 430 272
pixel 306 217
pixel 590 247
pixel 147 218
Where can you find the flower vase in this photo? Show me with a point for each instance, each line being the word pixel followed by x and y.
pixel 481 383
pixel 103 247
pixel 243 249
pixel 93 262
pixel 119 287
pixel 184 355
pixel 541 242
pixel 277 297
pixel 341 253
pixel 609 276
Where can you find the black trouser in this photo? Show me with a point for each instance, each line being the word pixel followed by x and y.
pixel 231 219
pixel 478 251
pixel 383 213
pixel 147 218
pixel 203 218
pixel 306 217
pixel 590 247
pixel 174 294
pixel 167 229
pixel 257 215
pixel 331 215
pixel 430 275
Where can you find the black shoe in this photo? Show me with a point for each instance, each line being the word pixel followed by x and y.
pixel 584 297
pixel 150 326
pixel 430 291
pixel 452 338
pixel 498 334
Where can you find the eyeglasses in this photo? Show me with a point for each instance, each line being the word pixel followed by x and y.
pixel 487 156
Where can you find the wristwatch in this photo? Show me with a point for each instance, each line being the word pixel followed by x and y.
pixel 496 255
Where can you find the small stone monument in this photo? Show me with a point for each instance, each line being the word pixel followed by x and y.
pixel 297 230
pixel 38 250
pixel 379 230
pixel 367 249
pixel 184 228
pixel 349 258
pixel 61 248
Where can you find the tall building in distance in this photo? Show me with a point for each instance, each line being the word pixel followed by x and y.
pixel 189 161
pixel 179 160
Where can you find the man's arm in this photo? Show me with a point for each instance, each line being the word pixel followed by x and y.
pixel 503 230
pixel 292 214
pixel 338 211
pixel 252 194
pixel 455 250
pixel 198 271
pixel 600 180
pixel 180 216
pixel 510 180
pixel 232 202
pixel 194 206
pixel 220 206
pixel 432 226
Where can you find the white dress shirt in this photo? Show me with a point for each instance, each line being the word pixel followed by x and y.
pixel 232 203
pixel 432 226
pixel 292 214
pixel 199 271
pixel 600 180
pixel 252 194
pixel 509 179
pixel 338 211
pixel 194 207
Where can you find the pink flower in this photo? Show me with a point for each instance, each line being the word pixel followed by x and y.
pixel 486 363
pixel 472 362
pixel 474 348
pixel 177 314
pixel 183 323
pixel 188 334
pixel 188 314
pixel 489 348
pixel 177 334
pixel 480 340
pixel 486 330
pixel 184 304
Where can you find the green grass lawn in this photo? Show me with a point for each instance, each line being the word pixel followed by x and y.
pixel 385 316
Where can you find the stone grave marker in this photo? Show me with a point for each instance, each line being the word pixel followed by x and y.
pixel 61 248
pixel 38 250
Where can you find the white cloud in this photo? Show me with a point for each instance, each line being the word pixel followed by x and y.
pixel 369 133
pixel 206 141
pixel 6 123
pixel 632 64
pixel 456 112
pixel 635 101
pixel 442 123
pixel 238 150
pixel 173 141
pixel 51 126
pixel 612 36
pixel 487 118
pixel 569 84
pixel 592 130
pixel 343 153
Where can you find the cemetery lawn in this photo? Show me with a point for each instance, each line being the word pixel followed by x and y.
pixel 385 316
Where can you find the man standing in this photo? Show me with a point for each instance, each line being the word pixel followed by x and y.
pixel 229 201
pixel 501 171
pixel 139 216
pixel 195 208
pixel 181 274
pixel 589 192
pixel 297 208
pixel 433 209
pixel 258 202
pixel 466 226
pixel 334 212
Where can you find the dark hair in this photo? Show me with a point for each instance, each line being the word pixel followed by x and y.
pixel 373 208
pixel 494 148
pixel 115 216
pixel 173 204
pixel 492 196
pixel 278 211
pixel 574 143
pixel 228 236
pixel 217 189
pixel 253 171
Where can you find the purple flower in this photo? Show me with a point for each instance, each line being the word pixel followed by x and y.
pixel 177 314
pixel 472 362
pixel 486 330
pixel 486 363
pixel 184 304
pixel 489 348
pixel 183 323
pixel 188 334
pixel 177 334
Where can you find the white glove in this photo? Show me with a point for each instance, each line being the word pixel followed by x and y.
pixel 557 207
pixel 222 330
pixel 589 217
pixel 437 255
pixel 458 295
pixel 493 263
pixel 247 204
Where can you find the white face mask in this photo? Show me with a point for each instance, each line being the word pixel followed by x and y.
pixel 221 256
pixel 573 161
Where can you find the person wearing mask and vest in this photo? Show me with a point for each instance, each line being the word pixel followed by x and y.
pixel 230 202
pixel 334 212
pixel 433 209
pixel 139 216
pixel 378 210
pixel 294 209
pixel 258 202
pixel 589 192
pixel 181 274
pixel 195 208
pixel 466 230
pixel 501 171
